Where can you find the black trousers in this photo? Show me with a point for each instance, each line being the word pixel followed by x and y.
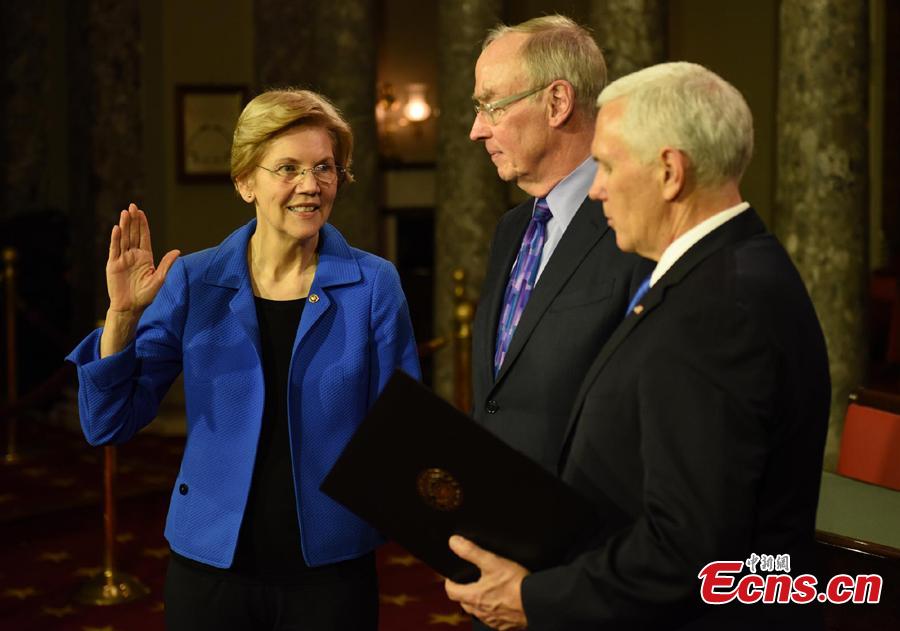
pixel 343 596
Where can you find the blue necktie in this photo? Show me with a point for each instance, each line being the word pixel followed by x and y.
pixel 521 279
pixel 638 295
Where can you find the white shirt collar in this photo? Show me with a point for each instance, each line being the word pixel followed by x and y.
pixel 684 243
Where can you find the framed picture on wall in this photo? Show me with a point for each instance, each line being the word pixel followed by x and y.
pixel 205 118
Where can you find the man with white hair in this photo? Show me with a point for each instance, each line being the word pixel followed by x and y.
pixel 699 429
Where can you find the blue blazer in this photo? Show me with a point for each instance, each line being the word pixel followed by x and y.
pixel 203 322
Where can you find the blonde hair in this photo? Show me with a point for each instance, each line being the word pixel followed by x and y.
pixel 276 111
pixel 559 48
pixel 690 108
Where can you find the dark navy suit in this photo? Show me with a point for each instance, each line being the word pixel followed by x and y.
pixel 698 434
pixel 578 301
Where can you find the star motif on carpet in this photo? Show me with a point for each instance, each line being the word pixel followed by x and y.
pixel 89 572
pixel 6 497
pixel 20 593
pixel 106 628
pixel 399 600
pixel 63 483
pixel 55 557
pixel 125 537
pixel 156 553
pixel 452 619
pixel 35 472
pixel 157 607
pixel 58 612
pixel 405 561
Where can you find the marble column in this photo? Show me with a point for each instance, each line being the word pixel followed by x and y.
pixel 470 197
pixel 105 137
pixel 26 88
pixel 822 183
pixel 330 48
pixel 284 45
pixel 631 33
pixel 345 59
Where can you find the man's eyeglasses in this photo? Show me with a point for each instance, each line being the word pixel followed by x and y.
pixel 493 111
pixel 293 173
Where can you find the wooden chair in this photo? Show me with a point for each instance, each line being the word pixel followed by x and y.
pixel 884 304
pixel 838 554
pixel 870 447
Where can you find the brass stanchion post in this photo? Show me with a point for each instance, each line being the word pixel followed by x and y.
pixel 463 313
pixel 111 586
pixel 12 385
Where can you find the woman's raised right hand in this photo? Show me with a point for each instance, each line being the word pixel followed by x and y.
pixel 131 278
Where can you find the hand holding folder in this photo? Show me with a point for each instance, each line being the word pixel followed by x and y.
pixel 420 471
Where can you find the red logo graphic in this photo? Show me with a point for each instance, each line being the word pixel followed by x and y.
pixel 721 583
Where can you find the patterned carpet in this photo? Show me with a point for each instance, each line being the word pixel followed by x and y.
pixel 51 531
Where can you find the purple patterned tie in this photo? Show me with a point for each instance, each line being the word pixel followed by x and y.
pixel 521 280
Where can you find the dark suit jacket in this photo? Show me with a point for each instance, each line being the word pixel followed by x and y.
pixel 698 433
pixel 579 300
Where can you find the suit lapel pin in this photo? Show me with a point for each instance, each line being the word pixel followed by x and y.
pixel 638 310
pixel 313 298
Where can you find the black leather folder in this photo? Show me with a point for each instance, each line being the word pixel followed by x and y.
pixel 419 470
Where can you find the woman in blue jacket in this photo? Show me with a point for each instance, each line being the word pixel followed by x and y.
pixel 285 335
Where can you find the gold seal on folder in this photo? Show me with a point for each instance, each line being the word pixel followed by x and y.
pixel 439 489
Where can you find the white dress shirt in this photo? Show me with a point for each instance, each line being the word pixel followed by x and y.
pixel 684 243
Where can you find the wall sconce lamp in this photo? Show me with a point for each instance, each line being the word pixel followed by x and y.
pixel 387 106
pixel 391 112
pixel 400 121
pixel 417 108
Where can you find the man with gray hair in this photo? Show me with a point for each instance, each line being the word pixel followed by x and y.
pixel 556 285
pixel 699 429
